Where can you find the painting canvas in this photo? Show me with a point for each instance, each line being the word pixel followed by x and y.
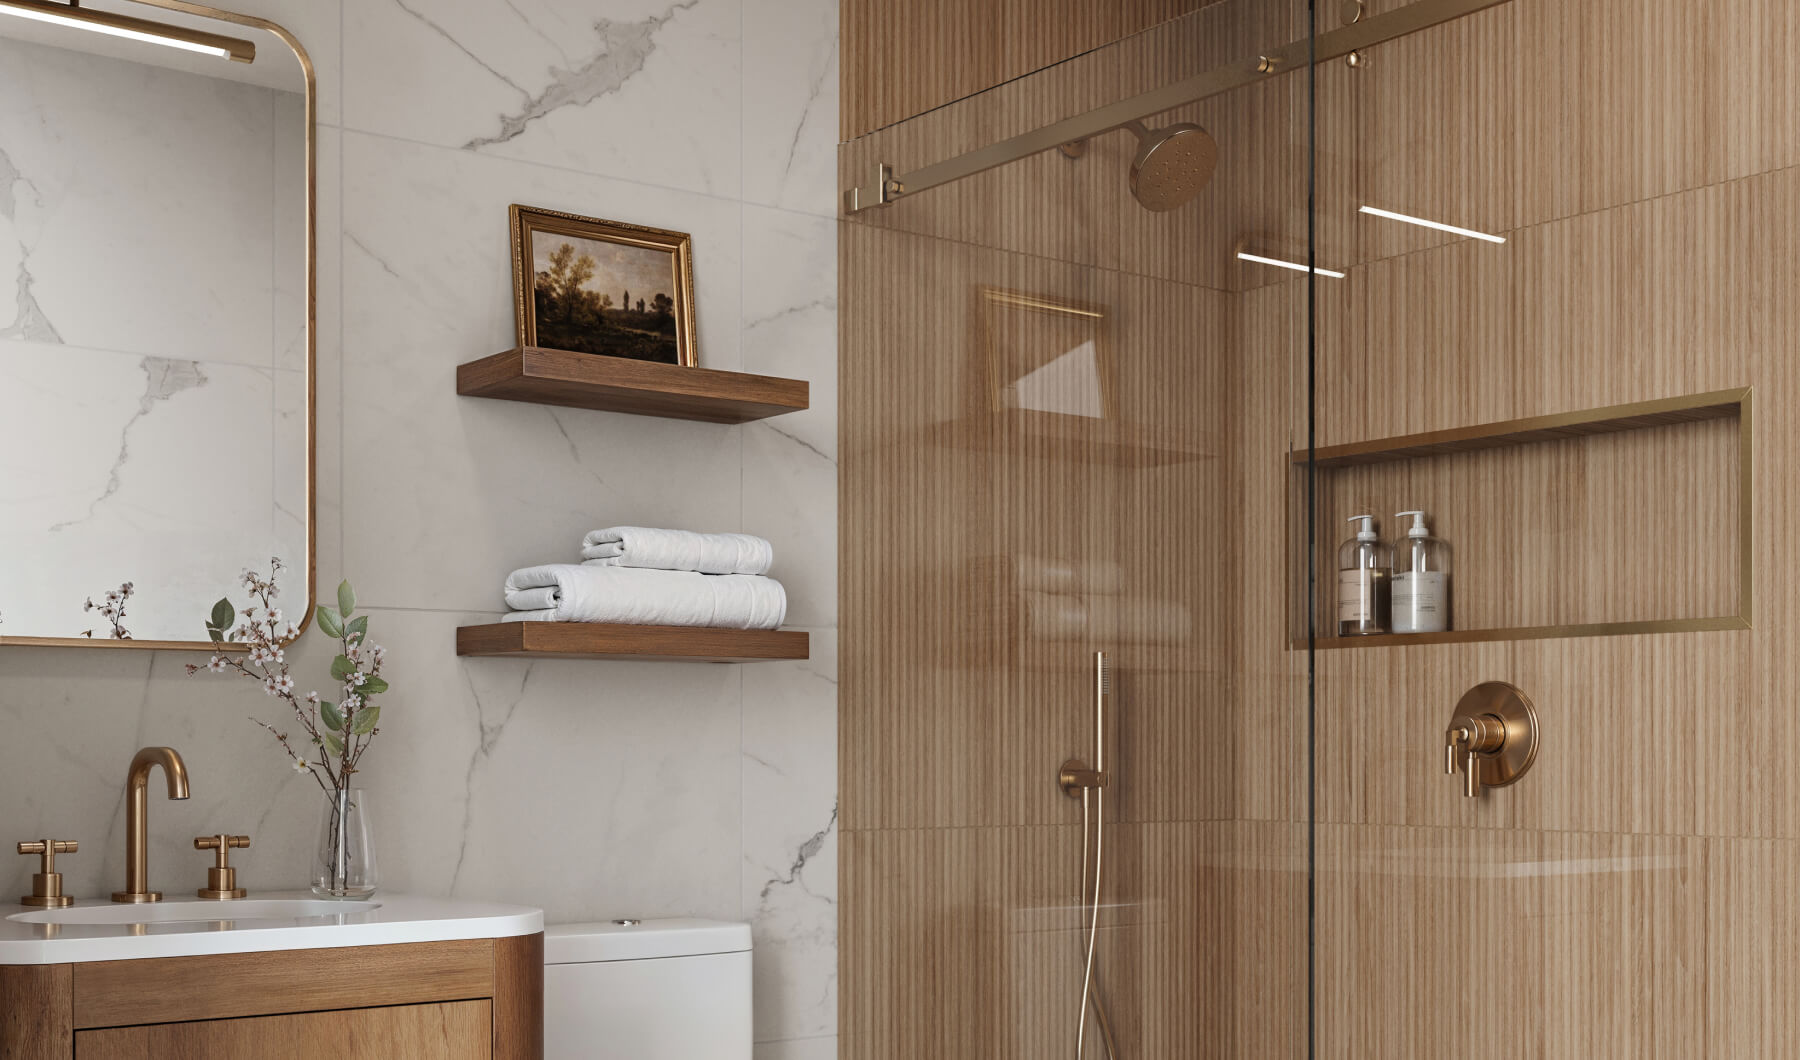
pixel 602 287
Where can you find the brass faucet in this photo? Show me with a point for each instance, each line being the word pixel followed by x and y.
pixel 137 817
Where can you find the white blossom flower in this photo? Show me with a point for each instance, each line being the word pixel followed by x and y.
pixel 274 615
pixel 300 766
pixel 284 683
pixel 356 679
pixel 271 686
pixel 351 702
pixel 312 698
pixel 217 665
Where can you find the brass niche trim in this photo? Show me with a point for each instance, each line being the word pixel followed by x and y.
pixel 1611 419
pixel 312 345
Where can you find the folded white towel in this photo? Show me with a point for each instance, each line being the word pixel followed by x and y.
pixel 642 546
pixel 579 592
pixel 1058 617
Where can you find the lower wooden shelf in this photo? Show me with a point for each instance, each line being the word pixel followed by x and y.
pixel 595 640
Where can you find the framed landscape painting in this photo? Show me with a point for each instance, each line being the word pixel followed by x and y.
pixel 602 287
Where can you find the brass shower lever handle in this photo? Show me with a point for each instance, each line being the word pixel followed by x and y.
pixel 1467 740
pixel 1493 737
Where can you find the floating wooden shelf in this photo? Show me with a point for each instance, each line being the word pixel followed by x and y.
pixel 594 640
pixel 617 384
pixel 1061 436
pixel 1715 405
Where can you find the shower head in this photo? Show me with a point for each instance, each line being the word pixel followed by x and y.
pixel 1172 164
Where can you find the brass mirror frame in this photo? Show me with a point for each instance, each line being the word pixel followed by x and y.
pixel 312 348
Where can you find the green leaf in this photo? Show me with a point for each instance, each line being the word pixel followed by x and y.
pixel 365 720
pixel 334 718
pixel 222 615
pixel 334 743
pixel 329 622
pixel 342 667
pixel 373 686
pixel 346 598
pixel 359 626
pixel 213 632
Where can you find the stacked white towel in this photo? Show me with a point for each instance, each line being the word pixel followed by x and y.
pixel 580 592
pixel 684 550
pixel 638 575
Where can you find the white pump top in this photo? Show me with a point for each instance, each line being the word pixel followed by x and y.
pixel 1367 531
pixel 1418 526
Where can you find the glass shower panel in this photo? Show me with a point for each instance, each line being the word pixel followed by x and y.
pixel 1620 188
pixel 1067 513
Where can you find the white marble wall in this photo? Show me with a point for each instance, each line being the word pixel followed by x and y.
pixel 593 789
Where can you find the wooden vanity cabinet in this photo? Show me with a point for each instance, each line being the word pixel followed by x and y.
pixel 463 1000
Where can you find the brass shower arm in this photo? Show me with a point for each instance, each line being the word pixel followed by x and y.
pixel 885 186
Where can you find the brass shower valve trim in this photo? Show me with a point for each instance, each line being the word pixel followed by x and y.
pixel 221 879
pixel 1493 737
pixel 46 882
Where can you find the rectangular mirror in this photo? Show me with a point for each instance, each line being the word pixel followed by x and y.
pixel 156 316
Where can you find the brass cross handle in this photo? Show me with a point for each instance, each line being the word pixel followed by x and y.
pixel 221 879
pixel 1493 737
pixel 46 882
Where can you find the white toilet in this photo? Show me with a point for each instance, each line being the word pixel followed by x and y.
pixel 647 990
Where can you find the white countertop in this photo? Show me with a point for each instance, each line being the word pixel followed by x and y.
pixel 209 927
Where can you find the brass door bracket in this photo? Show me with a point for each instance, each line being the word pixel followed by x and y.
pixel 1493 738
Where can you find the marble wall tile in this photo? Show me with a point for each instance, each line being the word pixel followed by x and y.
pixel 642 89
pixel 790 462
pixel 790 840
pixel 468 489
pixel 790 104
pixel 592 794
pixel 592 789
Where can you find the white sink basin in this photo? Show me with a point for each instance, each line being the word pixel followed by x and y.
pixel 94 929
pixel 293 909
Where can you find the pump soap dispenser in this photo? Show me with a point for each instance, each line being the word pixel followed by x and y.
pixel 1362 582
pixel 1421 580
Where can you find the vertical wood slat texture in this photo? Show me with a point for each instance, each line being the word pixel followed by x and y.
pixel 1640 161
pixel 456 1030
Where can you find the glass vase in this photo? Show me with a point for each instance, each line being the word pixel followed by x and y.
pixel 345 864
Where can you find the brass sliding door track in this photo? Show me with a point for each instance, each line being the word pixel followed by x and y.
pixel 885 186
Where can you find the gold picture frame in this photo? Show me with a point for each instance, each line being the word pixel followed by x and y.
pixel 562 293
pixel 1011 319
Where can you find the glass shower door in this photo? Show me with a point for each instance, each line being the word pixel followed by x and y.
pixel 1067 513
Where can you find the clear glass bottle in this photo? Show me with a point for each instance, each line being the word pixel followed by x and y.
pixel 1363 563
pixel 1421 585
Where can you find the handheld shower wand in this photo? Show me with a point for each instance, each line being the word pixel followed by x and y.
pixel 1077 779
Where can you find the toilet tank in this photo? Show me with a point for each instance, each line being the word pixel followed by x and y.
pixel 674 989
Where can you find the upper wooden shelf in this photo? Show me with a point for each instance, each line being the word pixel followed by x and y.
pixel 618 384
pixel 598 640
pixel 1717 404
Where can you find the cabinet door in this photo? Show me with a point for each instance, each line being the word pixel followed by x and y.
pixel 456 1030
